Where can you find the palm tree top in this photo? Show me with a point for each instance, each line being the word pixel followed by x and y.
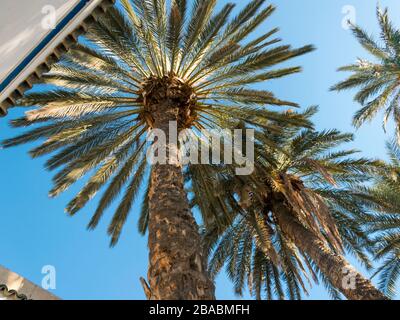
pixel 376 79
pixel 323 186
pixel 102 97
pixel 385 224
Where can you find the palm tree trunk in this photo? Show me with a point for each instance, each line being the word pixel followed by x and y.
pixel 334 266
pixel 178 267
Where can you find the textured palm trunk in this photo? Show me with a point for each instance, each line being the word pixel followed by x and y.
pixel 334 266
pixel 177 268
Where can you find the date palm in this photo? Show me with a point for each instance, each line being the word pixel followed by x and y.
pixel 146 64
pixel 386 225
pixel 376 79
pixel 296 216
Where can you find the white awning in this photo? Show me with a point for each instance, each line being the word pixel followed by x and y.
pixel 33 35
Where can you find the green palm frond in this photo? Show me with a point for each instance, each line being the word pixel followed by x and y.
pixel 322 184
pixel 91 111
pixel 377 82
pixel 385 224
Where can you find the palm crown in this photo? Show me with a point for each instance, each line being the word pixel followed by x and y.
pixel 386 225
pixel 320 183
pixel 376 79
pixel 97 108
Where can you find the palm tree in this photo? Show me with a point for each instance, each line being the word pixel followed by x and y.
pixel 301 210
pixel 377 79
pixel 146 64
pixel 386 224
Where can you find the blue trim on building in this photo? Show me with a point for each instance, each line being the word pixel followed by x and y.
pixel 74 12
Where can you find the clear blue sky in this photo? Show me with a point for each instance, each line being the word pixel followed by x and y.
pixel 36 232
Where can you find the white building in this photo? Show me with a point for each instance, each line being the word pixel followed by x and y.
pixel 15 287
pixel 34 34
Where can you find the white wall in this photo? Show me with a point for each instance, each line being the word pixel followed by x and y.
pixel 15 282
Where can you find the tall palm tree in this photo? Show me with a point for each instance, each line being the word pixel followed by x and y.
pixel 386 224
pixel 300 210
pixel 146 64
pixel 377 79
